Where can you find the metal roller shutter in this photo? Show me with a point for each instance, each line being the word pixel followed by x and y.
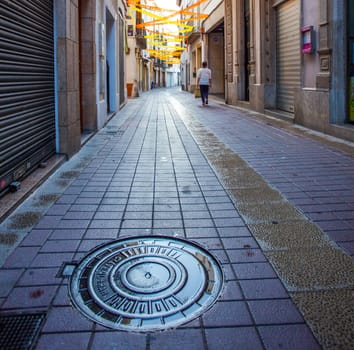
pixel 288 54
pixel 27 108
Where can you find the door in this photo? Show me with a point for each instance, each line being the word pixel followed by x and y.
pixel 288 54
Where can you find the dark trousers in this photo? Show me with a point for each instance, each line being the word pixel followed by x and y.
pixel 204 91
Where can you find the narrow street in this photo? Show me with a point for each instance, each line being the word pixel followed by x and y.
pixel 271 202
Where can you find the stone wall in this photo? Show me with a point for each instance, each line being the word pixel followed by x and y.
pixel 68 83
pixel 88 65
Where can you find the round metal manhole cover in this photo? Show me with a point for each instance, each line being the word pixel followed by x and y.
pixel 146 283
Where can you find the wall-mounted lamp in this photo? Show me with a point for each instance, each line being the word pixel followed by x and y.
pixel 202 32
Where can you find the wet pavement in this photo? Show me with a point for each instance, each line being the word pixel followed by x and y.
pixel 273 203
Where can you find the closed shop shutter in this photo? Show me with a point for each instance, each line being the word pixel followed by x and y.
pixel 27 100
pixel 288 54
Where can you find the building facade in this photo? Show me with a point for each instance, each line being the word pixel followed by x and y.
pixel 292 59
pixel 138 63
pixel 204 43
pixel 144 70
pixel 62 76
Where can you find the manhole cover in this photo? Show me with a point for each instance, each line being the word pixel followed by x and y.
pixel 146 283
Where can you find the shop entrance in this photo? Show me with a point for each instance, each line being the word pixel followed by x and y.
pixel 288 66
pixel 217 60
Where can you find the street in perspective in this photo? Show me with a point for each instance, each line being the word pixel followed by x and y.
pixel 186 226
pixel 176 174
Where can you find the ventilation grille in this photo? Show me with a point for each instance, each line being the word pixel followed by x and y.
pixel 20 332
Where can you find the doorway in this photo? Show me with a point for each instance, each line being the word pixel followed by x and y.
pixel 217 60
pixel 288 65
pixel 110 63
pixel 246 50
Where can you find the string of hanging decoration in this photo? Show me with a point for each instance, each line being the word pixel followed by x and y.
pixel 166 29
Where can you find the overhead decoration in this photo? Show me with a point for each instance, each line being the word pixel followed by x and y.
pixel 166 29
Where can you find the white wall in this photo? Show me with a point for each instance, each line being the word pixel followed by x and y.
pixel 172 74
pixel 209 6
pixel 106 51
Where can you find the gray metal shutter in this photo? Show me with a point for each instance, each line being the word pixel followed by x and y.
pixel 27 108
pixel 288 54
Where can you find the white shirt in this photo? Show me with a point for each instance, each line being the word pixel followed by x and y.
pixel 204 76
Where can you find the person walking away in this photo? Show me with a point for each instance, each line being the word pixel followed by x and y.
pixel 204 81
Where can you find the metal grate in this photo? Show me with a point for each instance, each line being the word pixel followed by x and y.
pixel 114 131
pixel 20 332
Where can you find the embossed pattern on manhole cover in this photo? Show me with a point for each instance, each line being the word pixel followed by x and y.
pixel 146 283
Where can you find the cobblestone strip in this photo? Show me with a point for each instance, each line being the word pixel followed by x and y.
pixel 315 271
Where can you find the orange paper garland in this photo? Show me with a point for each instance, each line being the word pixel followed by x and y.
pixel 161 18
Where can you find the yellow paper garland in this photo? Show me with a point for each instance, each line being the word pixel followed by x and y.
pixel 163 42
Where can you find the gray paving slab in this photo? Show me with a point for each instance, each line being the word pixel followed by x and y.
pixel 155 176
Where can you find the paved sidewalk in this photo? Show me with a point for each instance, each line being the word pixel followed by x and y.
pixel 167 166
